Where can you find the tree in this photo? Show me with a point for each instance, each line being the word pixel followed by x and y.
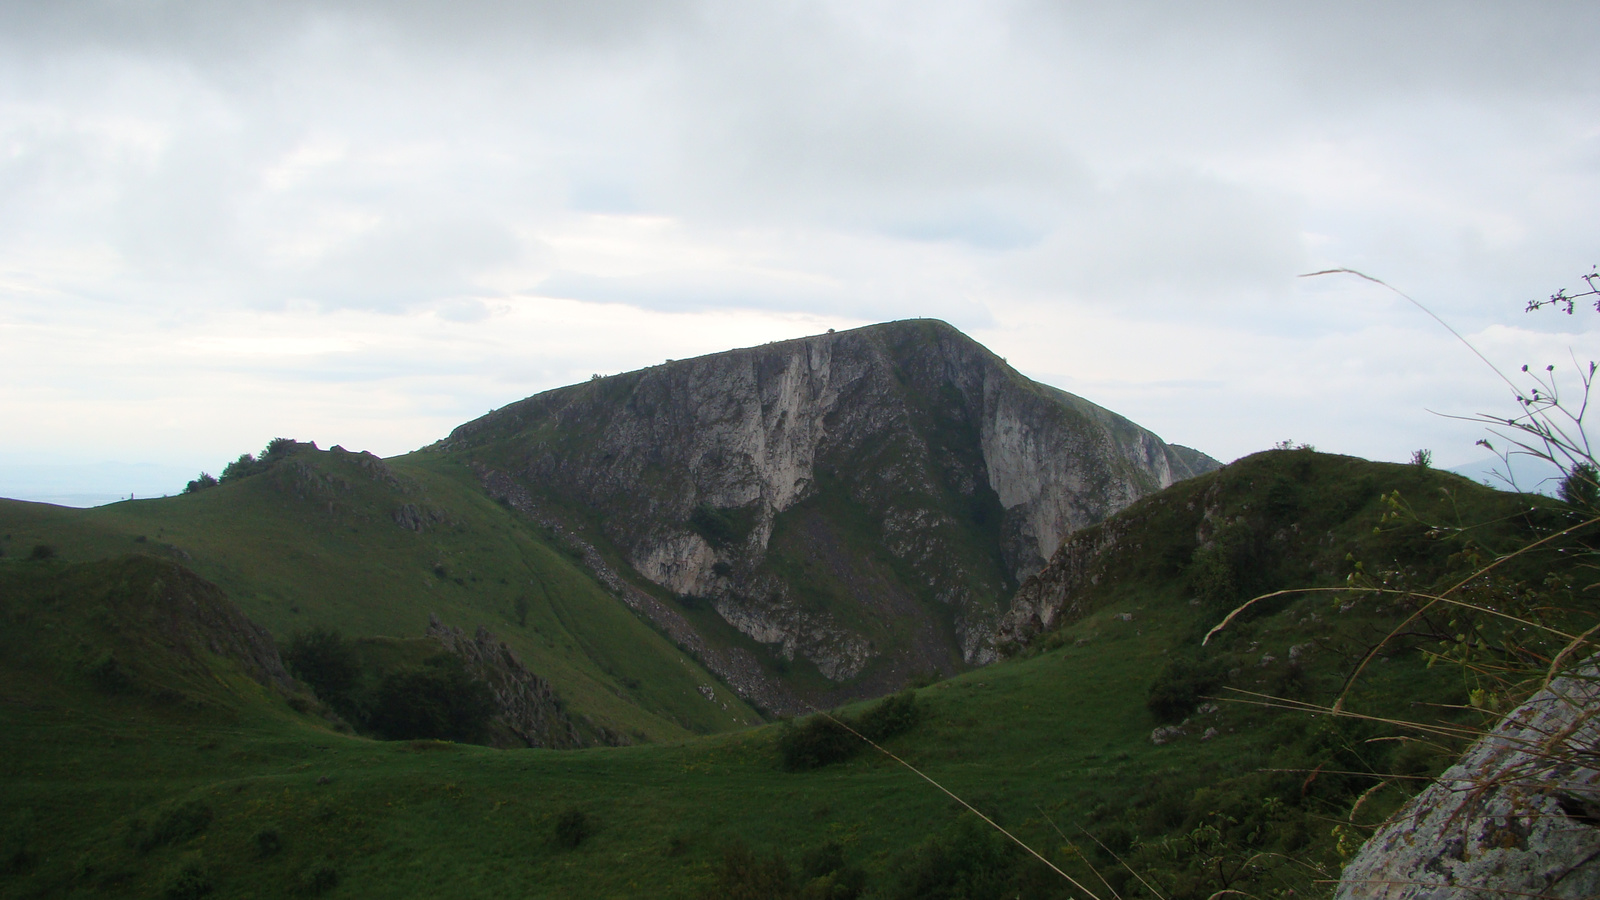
pixel 1581 487
pixel 437 700
pixel 322 658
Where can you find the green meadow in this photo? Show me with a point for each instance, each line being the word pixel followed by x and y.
pixel 142 762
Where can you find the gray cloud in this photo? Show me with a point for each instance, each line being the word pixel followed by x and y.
pixel 165 165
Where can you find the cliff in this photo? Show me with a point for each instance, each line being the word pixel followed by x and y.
pixel 526 706
pixel 856 505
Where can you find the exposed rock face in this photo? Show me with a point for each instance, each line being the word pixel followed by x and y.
pixel 529 708
pixel 1053 595
pixel 861 501
pixel 1519 815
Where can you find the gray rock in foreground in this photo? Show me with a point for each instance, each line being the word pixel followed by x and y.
pixel 1518 816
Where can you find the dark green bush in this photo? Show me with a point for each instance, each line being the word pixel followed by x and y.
pixel 276 449
pixel 819 742
pixel 324 659
pixel 722 527
pixel 318 879
pixel 743 875
pixel 828 877
pixel 824 740
pixel 268 842
pixel 1227 570
pixel 199 484
pixel 42 552
pixel 188 881
pixel 437 700
pixel 174 826
pixel 242 467
pixel 108 674
pixel 894 715
pixel 1180 686
pixel 572 828
pixel 970 862
pixel 1581 487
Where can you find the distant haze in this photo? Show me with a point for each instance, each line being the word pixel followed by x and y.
pixel 364 223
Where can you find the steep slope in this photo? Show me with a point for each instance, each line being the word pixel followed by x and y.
pixel 1282 519
pixel 856 505
pixel 1056 738
pixel 138 627
pixel 334 539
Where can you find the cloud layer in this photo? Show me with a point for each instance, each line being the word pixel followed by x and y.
pixel 366 222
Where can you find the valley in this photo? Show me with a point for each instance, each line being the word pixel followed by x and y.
pixel 686 570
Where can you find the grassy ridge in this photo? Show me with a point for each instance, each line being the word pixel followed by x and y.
pixel 1058 738
pixel 1063 734
pixel 314 542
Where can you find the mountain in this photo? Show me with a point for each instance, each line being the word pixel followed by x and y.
pixel 787 526
pixel 825 518
pixel 335 540
pixel 1094 739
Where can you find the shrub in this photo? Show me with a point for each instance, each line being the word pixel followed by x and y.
pixel 894 715
pixel 42 552
pixel 819 742
pixel 244 466
pixel 108 674
pixel 828 876
pixel 969 862
pixel 437 700
pixel 317 879
pixel 572 827
pixel 824 740
pixel 247 465
pixel 1179 687
pixel 322 658
pixel 199 484
pixel 745 876
pixel 722 527
pixel 1229 569
pixel 1581 486
pixel 279 447
pixel 188 881
pixel 268 842
pixel 176 825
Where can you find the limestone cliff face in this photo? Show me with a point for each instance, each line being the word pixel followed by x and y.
pixel 861 503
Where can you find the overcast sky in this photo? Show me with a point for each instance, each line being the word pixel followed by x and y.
pixel 365 223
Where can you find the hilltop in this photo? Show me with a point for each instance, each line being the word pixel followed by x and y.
pixel 829 517
pixel 225 783
pixel 685 548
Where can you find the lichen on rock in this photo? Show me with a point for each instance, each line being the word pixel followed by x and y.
pixel 1518 815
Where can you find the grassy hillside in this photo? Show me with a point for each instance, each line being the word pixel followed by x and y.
pixel 342 540
pixel 144 795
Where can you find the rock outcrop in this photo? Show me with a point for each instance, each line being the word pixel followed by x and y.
pixel 1518 816
pixel 861 503
pixel 528 707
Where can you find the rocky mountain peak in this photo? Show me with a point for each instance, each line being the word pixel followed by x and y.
pixel 860 503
